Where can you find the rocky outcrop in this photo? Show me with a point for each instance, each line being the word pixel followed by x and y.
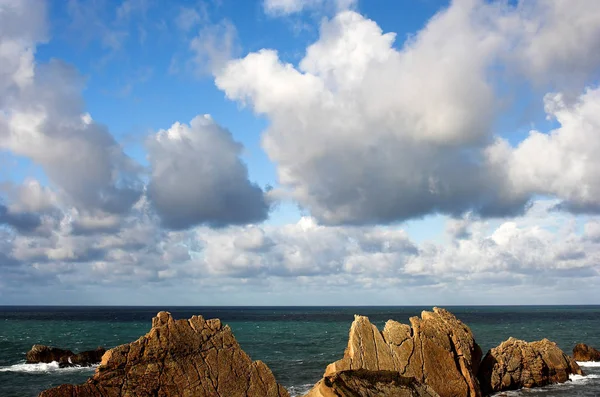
pixel 365 383
pixel 437 350
pixel 182 358
pixel 65 358
pixel 516 364
pixel 583 352
pixel 46 354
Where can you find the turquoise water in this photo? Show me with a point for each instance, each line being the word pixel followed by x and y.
pixel 297 343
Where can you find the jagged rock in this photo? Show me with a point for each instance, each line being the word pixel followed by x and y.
pixel 46 354
pixel 516 364
pixel 439 351
pixel 83 359
pixel 65 358
pixel 182 358
pixel 583 352
pixel 365 383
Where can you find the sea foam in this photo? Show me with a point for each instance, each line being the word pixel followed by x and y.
pixel 589 363
pixel 44 368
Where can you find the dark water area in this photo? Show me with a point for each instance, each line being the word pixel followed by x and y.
pixel 297 343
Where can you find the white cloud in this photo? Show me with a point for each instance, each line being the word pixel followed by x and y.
pixel 198 177
pixel 564 162
pixel 362 132
pixel 288 7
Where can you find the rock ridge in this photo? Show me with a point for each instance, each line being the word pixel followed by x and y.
pixel 182 358
pixel 437 350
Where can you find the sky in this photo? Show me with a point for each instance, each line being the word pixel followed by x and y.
pixel 299 152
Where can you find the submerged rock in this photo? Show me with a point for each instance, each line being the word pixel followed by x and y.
pixel 65 358
pixel 182 358
pixel 438 351
pixel 516 364
pixel 365 383
pixel 583 352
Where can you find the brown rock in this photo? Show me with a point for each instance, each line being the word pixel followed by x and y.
pixel 365 383
pixel 182 358
pixel 583 352
pixel 439 351
pixel 83 359
pixel 65 358
pixel 516 364
pixel 46 354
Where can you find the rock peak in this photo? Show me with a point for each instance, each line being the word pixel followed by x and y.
pixel 194 357
pixel 436 349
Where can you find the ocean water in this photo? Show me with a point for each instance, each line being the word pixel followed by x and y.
pixel 297 343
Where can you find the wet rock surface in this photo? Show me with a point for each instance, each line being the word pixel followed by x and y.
pixel 65 358
pixel 365 383
pixel 583 352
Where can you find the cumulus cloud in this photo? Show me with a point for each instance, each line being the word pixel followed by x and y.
pixel 540 246
pixel 365 133
pixel 44 119
pixel 562 163
pixel 197 177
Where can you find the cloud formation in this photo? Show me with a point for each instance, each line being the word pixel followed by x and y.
pixel 197 177
pixel 364 133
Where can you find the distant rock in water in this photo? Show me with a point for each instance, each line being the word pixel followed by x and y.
pixel 365 383
pixel 516 364
pixel 65 358
pixel 583 352
pixel 194 357
pixel 438 351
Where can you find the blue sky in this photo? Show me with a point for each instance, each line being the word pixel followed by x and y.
pixel 380 152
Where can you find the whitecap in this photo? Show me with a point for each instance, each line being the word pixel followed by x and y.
pixel 44 368
pixel 297 391
pixel 589 363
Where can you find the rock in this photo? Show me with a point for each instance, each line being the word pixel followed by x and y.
pixel 583 352
pixel 46 354
pixel 182 358
pixel 365 383
pixel 439 351
pixel 83 359
pixel 516 364
pixel 65 358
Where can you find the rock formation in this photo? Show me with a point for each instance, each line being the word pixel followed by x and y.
pixel 583 352
pixel 365 383
pixel 65 358
pixel 438 351
pixel 46 354
pixel 516 364
pixel 182 358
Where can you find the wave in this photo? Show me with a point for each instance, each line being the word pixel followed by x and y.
pixel 296 391
pixel 589 363
pixel 44 368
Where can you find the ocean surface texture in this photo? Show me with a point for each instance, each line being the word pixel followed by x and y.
pixel 296 342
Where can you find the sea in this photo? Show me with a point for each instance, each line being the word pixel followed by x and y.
pixel 297 343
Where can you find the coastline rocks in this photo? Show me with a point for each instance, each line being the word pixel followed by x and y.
pixel 438 351
pixel 515 364
pixel 194 357
pixel 365 383
pixel 65 358
pixel 583 352
pixel 46 354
